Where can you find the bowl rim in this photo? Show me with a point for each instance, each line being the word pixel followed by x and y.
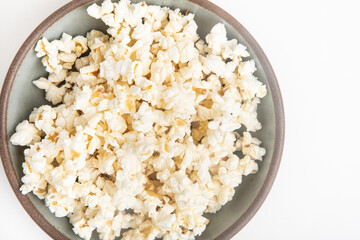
pixel 9 169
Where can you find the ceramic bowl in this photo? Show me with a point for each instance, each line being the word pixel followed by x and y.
pixel 19 96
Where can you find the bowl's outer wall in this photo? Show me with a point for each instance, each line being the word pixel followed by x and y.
pixel 24 96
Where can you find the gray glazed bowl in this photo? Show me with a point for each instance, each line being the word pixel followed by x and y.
pixel 19 96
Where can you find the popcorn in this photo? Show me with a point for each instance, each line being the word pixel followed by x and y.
pixel 143 119
pixel 165 219
pixel 142 138
pixel 26 134
pixel 216 40
pixel 60 54
pixel 33 182
pixel 82 62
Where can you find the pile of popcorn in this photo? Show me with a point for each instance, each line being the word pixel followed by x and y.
pixel 140 138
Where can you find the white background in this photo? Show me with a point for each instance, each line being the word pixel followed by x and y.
pixel 314 47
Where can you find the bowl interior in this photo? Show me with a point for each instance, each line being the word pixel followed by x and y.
pixel 25 96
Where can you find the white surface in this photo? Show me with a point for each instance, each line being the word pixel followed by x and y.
pixel 314 47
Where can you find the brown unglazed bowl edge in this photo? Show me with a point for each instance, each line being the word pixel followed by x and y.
pixel 37 33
